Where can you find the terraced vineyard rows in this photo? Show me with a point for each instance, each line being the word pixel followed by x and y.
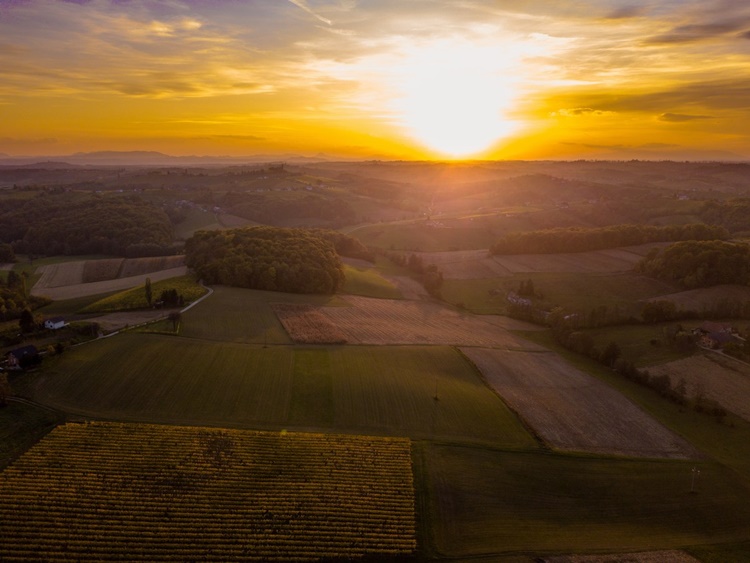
pixel 104 491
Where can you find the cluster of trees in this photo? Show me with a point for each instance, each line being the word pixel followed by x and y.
pixel 579 239
pixel 14 298
pixel 693 264
pixel 734 215
pixel 277 209
pixel 54 224
pixel 270 258
pixel 6 253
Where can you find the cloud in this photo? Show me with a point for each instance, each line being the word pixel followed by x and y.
pixel 698 32
pixel 680 117
pixel 574 112
pixel 626 12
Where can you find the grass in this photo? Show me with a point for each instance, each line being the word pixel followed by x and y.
pixel 367 282
pixel 364 390
pixel 135 298
pixel 22 425
pixel 635 342
pixel 196 220
pixel 488 502
pixel 244 315
pixel 572 291
pixel 727 443
pixel 71 306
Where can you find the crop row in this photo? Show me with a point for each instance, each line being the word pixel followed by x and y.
pixel 103 491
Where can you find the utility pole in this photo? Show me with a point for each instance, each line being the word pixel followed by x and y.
pixel 696 473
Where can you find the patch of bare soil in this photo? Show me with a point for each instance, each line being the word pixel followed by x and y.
pixel 59 275
pixel 387 321
pixel 117 321
pixel 718 378
pixel 668 556
pixel 101 270
pixel 139 266
pixel 75 291
pixel 305 324
pixel 570 410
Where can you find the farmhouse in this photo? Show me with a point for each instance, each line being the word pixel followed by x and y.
pixel 23 357
pixel 54 323
pixel 714 335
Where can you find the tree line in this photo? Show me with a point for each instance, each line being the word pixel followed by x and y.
pixel 269 258
pixel 15 298
pixel 580 239
pixel 66 224
pixel 693 264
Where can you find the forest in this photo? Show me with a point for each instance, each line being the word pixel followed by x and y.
pixel 269 258
pixel 62 223
pixel 581 239
pixel 693 264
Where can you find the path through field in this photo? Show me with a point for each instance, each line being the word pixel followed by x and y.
pixel 570 410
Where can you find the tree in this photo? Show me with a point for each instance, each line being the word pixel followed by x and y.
pixel 26 322
pixel 610 354
pixel 5 390
pixel 175 317
pixel 149 295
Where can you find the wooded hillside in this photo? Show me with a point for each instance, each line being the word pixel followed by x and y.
pixel 693 264
pixel 53 224
pixel 270 258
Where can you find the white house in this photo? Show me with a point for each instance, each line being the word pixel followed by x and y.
pixel 54 323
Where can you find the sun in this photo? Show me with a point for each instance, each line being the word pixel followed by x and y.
pixel 455 96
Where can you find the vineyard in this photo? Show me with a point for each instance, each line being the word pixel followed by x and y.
pixel 104 491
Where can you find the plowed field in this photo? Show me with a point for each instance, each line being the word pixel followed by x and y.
pixel 720 379
pixel 386 321
pixel 70 280
pixel 571 410
pixel 307 325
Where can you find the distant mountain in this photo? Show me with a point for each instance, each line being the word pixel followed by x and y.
pixel 145 158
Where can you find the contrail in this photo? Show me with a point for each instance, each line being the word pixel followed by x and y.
pixel 302 4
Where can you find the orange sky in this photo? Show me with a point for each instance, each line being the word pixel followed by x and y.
pixel 518 79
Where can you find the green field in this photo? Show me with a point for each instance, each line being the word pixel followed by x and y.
pixel 244 315
pixel 20 426
pixel 490 502
pixel 144 377
pixel 135 298
pixel 572 291
pixel 369 283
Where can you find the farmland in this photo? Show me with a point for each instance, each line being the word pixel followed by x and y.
pixel 501 445
pixel 146 377
pixel 571 410
pixel 150 493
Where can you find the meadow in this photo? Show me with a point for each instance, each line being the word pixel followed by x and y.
pixel 148 377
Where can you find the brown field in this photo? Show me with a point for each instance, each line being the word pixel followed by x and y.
pixel 305 324
pixel 573 411
pixel 139 266
pixel 478 264
pixel 101 270
pixel 70 280
pixel 116 321
pixel 386 321
pixel 75 291
pixel 707 297
pixel 669 556
pixel 717 377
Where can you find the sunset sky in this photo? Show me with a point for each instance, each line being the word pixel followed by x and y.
pixel 519 79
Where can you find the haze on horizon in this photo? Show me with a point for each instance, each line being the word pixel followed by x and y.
pixel 378 79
